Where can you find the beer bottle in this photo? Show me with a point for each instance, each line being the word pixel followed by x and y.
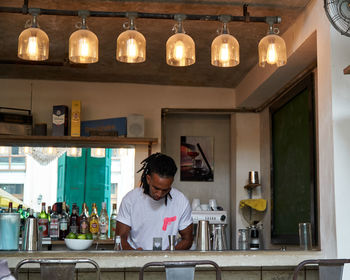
pixel 103 223
pixel 94 224
pixel 113 221
pixel 43 221
pixel 84 219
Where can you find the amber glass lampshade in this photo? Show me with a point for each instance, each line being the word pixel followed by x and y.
pixel 272 50
pixel 83 44
pixel 33 44
pixel 180 50
pixel 131 47
pixel 225 50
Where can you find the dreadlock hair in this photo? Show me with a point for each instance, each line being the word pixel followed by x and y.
pixel 160 164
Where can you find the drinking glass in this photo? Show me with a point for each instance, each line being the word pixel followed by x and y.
pixel 305 236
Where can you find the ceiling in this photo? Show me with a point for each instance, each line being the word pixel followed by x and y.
pixel 154 70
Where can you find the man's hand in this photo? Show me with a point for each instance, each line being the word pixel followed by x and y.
pixel 186 238
pixel 123 231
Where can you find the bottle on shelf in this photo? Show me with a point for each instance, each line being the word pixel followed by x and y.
pixel 74 221
pixel 23 220
pixel 43 221
pixel 49 212
pixel 64 222
pixel 103 223
pixel 113 221
pixel 54 222
pixel 94 223
pixel 84 219
pixel 118 244
pixel 10 209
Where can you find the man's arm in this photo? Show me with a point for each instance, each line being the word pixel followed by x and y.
pixel 186 238
pixel 123 231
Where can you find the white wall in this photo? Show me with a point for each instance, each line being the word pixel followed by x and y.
pixel 340 55
pixel 107 100
pixel 312 21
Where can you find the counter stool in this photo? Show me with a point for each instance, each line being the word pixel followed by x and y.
pixel 329 269
pixel 57 269
pixel 183 270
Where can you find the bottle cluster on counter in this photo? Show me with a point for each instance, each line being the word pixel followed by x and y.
pixel 59 222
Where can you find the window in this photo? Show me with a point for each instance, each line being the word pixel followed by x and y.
pixel 11 158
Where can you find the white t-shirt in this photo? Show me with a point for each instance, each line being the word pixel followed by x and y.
pixel 149 218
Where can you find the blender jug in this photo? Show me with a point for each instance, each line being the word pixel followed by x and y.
pixel 9 231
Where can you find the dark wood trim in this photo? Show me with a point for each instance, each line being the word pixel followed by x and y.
pixel 69 141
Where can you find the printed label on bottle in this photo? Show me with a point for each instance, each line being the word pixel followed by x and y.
pixel 63 226
pixel 58 120
pixel 93 227
pixel 103 228
pixel 54 228
pixel 44 227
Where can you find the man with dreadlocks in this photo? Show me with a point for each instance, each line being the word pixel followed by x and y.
pixel 155 209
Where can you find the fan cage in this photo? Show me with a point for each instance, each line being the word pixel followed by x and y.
pixel 338 13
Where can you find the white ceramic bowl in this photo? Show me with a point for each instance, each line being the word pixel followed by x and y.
pixel 78 244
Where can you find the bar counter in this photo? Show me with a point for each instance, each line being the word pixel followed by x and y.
pixel 136 259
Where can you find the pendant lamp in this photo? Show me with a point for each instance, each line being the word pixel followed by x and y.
pixel 33 43
pixel 180 48
pixel 131 44
pixel 83 44
pixel 225 47
pixel 272 48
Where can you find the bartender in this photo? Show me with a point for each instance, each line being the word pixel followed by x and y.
pixel 155 210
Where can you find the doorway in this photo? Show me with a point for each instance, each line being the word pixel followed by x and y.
pixel 202 124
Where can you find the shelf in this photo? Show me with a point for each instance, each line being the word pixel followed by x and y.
pixel 101 242
pixel 79 142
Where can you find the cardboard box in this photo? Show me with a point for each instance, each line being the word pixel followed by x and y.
pixel 75 118
pixel 114 126
pixel 60 120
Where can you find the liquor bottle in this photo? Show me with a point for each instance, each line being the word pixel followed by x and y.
pixel 84 219
pixel 64 221
pixel 73 221
pixel 103 223
pixel 118 244
pixel 21 213
pixel 94 225
pixel 49 212
pixel 113 221
pixel 10 210
pixel 54 224
pixel 43 221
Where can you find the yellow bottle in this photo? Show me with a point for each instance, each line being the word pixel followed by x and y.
pixel 94 223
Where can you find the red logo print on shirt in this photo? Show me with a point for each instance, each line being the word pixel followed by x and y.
pixel 168 221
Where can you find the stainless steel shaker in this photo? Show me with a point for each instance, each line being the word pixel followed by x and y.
pixel 31 235
pixel 202 236
pixel 219 238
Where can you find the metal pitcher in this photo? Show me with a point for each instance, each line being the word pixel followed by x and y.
pixel 219 238
pixel 202 236
pixel 31 235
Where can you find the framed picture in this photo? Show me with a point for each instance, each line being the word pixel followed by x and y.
pixel 197 158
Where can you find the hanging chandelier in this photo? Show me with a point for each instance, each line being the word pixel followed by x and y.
pixel 33 43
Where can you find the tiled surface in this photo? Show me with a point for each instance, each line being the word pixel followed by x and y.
pixel 281 275
pixel 201 274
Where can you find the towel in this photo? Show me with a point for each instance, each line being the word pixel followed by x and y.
pixel 257 204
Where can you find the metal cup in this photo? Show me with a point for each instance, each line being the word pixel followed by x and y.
pixel 202 236
pixel 253 177
pixel 171 242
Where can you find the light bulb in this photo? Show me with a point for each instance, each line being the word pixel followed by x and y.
pixel 83 47
pixel 179 50
pixel 132 49
pixel 74 151
pixel 50 150
pixel 3 150
pixel 32 49
pixel 224 53
pixel 271 56
pixel 26 150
